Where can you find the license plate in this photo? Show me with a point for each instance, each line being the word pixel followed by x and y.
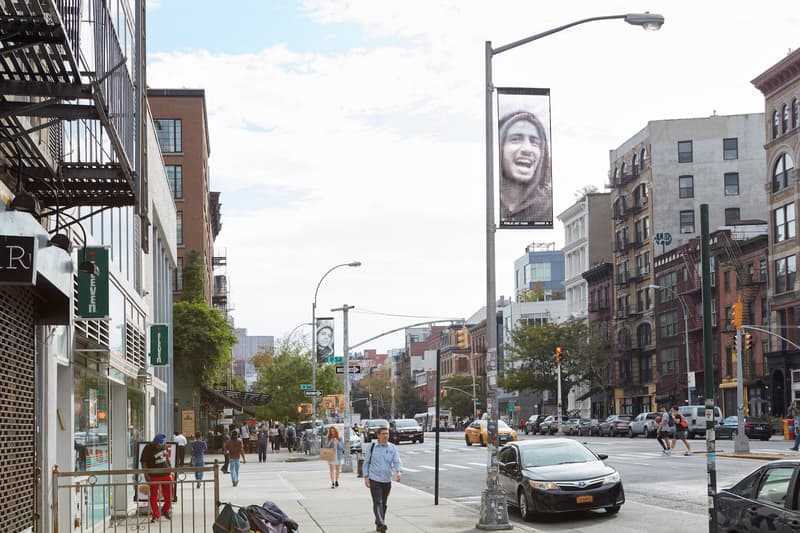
pixel 584 499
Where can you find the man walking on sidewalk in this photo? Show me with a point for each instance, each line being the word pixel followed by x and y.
pixel 378 465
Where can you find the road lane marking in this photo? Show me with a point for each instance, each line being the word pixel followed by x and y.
pixel 477 464
pixel 430 467
pixel 457 466
pixel 407 469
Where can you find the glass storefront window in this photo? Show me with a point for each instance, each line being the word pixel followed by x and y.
pixel 91 442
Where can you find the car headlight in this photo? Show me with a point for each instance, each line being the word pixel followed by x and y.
pixel 611 478
pixel 542 485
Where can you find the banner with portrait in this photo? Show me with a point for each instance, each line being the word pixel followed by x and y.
pixel 524 155
pixel 324 338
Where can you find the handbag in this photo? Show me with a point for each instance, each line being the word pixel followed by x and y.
pixel 327 454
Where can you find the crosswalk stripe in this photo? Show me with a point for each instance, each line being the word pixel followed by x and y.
pixel 407 469
pixel 477 464
pixel 457 466
pixel 430 467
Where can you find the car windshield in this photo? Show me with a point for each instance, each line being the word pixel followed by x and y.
pixel 379 423
pixel 555 454
pixel 406 423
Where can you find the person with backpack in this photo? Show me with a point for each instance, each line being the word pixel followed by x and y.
pixel 381 459
pixel 663 433
pixel 681 430
pixel 290 436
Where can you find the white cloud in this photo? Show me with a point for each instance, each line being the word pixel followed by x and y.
pixel 379 150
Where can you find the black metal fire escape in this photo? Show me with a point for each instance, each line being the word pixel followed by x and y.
pixel 67 120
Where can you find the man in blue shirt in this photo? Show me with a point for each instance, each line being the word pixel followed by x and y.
pixel 378 465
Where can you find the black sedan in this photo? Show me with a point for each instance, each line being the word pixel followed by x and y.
pixel 754 428
pixel 557 476
pixel 765 500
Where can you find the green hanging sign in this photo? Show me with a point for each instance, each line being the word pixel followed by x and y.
pixel 93 287
pixel 159 344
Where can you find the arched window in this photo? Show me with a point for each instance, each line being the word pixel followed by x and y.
pixel 643 334
pixel 782 172
pixel 795 112
pixel 785 119
pixel 643 161
pixel 616 172
pixel 635 164
pixel 774 124
pixel 624 170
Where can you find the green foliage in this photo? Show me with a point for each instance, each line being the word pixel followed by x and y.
pixel 407 403
pixel 193 276
pixel 202 342
pixel 281 376
pixel 458 395
pixel 530 358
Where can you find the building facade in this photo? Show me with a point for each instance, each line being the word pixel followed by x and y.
pixel 539 274
pixel 600 288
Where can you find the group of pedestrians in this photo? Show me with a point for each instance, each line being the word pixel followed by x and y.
pixel 672 427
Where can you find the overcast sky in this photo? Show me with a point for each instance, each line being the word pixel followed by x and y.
pixel 354 130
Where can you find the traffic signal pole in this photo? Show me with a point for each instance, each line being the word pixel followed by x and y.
pixel 741 443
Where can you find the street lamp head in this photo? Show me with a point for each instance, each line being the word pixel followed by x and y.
pixel 354 264
pixel 648 21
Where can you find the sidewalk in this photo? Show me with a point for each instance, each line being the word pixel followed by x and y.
pixel 302 490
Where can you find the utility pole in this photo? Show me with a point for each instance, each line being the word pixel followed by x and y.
pixel 348 422
pixel 741 443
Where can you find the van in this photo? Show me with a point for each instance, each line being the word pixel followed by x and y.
pixel 696 419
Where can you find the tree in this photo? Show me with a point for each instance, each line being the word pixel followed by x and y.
pixel 530 358
pixel 193 279
pixel 458 395
pixel 407 403
pixel 289 367
pixel 202 342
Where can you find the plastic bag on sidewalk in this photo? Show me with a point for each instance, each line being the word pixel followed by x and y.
pixel 230 521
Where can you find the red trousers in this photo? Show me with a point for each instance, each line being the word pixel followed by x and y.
pixel 165 482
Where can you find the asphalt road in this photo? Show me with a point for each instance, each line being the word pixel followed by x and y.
pixel 654 484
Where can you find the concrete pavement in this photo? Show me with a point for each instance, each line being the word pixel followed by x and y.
pixel 302 491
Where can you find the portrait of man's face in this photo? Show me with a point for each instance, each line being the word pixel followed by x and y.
pixel 521 152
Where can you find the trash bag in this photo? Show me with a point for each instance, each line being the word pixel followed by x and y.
pixel 230 521
pixel 269 518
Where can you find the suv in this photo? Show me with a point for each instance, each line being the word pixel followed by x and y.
pixel 644 424
pixel 532 424
pixel 405 429
pixel 371 428
pixel 696 419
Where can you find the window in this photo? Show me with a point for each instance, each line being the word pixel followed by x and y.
pixel 785 274
pixel 731 184
pixel 686 187
pixel 643 334
pixel 668 284
pixel 668 359
pixel 687 221
pixel 635 165
pixel 732 216
pixel 624 339
pixel 645 370
pixel 775 122
pixel 538 272
pixel 169 135
pixel 177 282
pixel 645 228
pixel 784 223
pixel 684 151
pixel 795 112
pixel 624 170
pixel 730 148
pixel 782 173
pixel 175 180
pixel 179 225
pixel 643 158
pixel 774 486
pixel 668 324
pixel 726 280
pixel 785 118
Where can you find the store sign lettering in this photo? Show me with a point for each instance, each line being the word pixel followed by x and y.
pixel 16 260
pixel 93 288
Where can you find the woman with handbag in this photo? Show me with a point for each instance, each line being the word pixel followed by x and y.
pixel 335 463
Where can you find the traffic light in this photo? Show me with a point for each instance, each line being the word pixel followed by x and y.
pixel 299 409
pixel 443 393
pixel 736 315
pixel 462 338
pixel 748 341
pixel 735 344
pixel 558 355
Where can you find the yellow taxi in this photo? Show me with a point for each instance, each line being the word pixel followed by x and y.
pixel 476 433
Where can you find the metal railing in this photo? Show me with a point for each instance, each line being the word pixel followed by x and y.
pixel 118 500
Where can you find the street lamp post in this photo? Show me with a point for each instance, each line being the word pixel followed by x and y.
pixel 314 438
pixel 494 514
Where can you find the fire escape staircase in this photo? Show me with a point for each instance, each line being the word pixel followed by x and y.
pixel 66 111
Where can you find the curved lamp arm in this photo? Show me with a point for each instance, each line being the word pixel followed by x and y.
pixel 352 264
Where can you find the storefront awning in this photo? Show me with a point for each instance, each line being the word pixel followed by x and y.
pixel 218 398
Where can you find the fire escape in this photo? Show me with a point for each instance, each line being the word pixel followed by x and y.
pixel 67 121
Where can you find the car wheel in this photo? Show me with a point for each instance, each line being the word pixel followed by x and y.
pixel 734 434
pixel 421 440
pixel 630 433
pixel 466 438
pixel 524 508
pixel 612 510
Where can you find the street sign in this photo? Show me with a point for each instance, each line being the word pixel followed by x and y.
pixel 313 393
pixel 336 359
pixel 305 386
pixel 353 369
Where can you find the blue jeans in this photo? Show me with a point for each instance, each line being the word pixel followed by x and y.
pixel 233 466
pixel 796 438
pixel 198 461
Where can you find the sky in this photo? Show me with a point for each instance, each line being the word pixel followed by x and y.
pixel 353 130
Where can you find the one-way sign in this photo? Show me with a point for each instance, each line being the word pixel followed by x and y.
pixel 313 392
pixel 353 369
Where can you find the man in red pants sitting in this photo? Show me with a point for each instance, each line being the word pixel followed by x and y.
pixel 155 455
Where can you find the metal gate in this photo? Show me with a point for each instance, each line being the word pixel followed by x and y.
pixel 17 400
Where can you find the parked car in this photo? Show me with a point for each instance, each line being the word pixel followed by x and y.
pixel 557 476
pixel 355 440
pixel 569 426
pixel 532 424
pixel 549 426
pixel 478 433
pixel 405 429
pixel 589 427
pixel 765 500
pixel 644 424
pixel 371 428
pixel 754 428
pixel 696 419
pixel 615 425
